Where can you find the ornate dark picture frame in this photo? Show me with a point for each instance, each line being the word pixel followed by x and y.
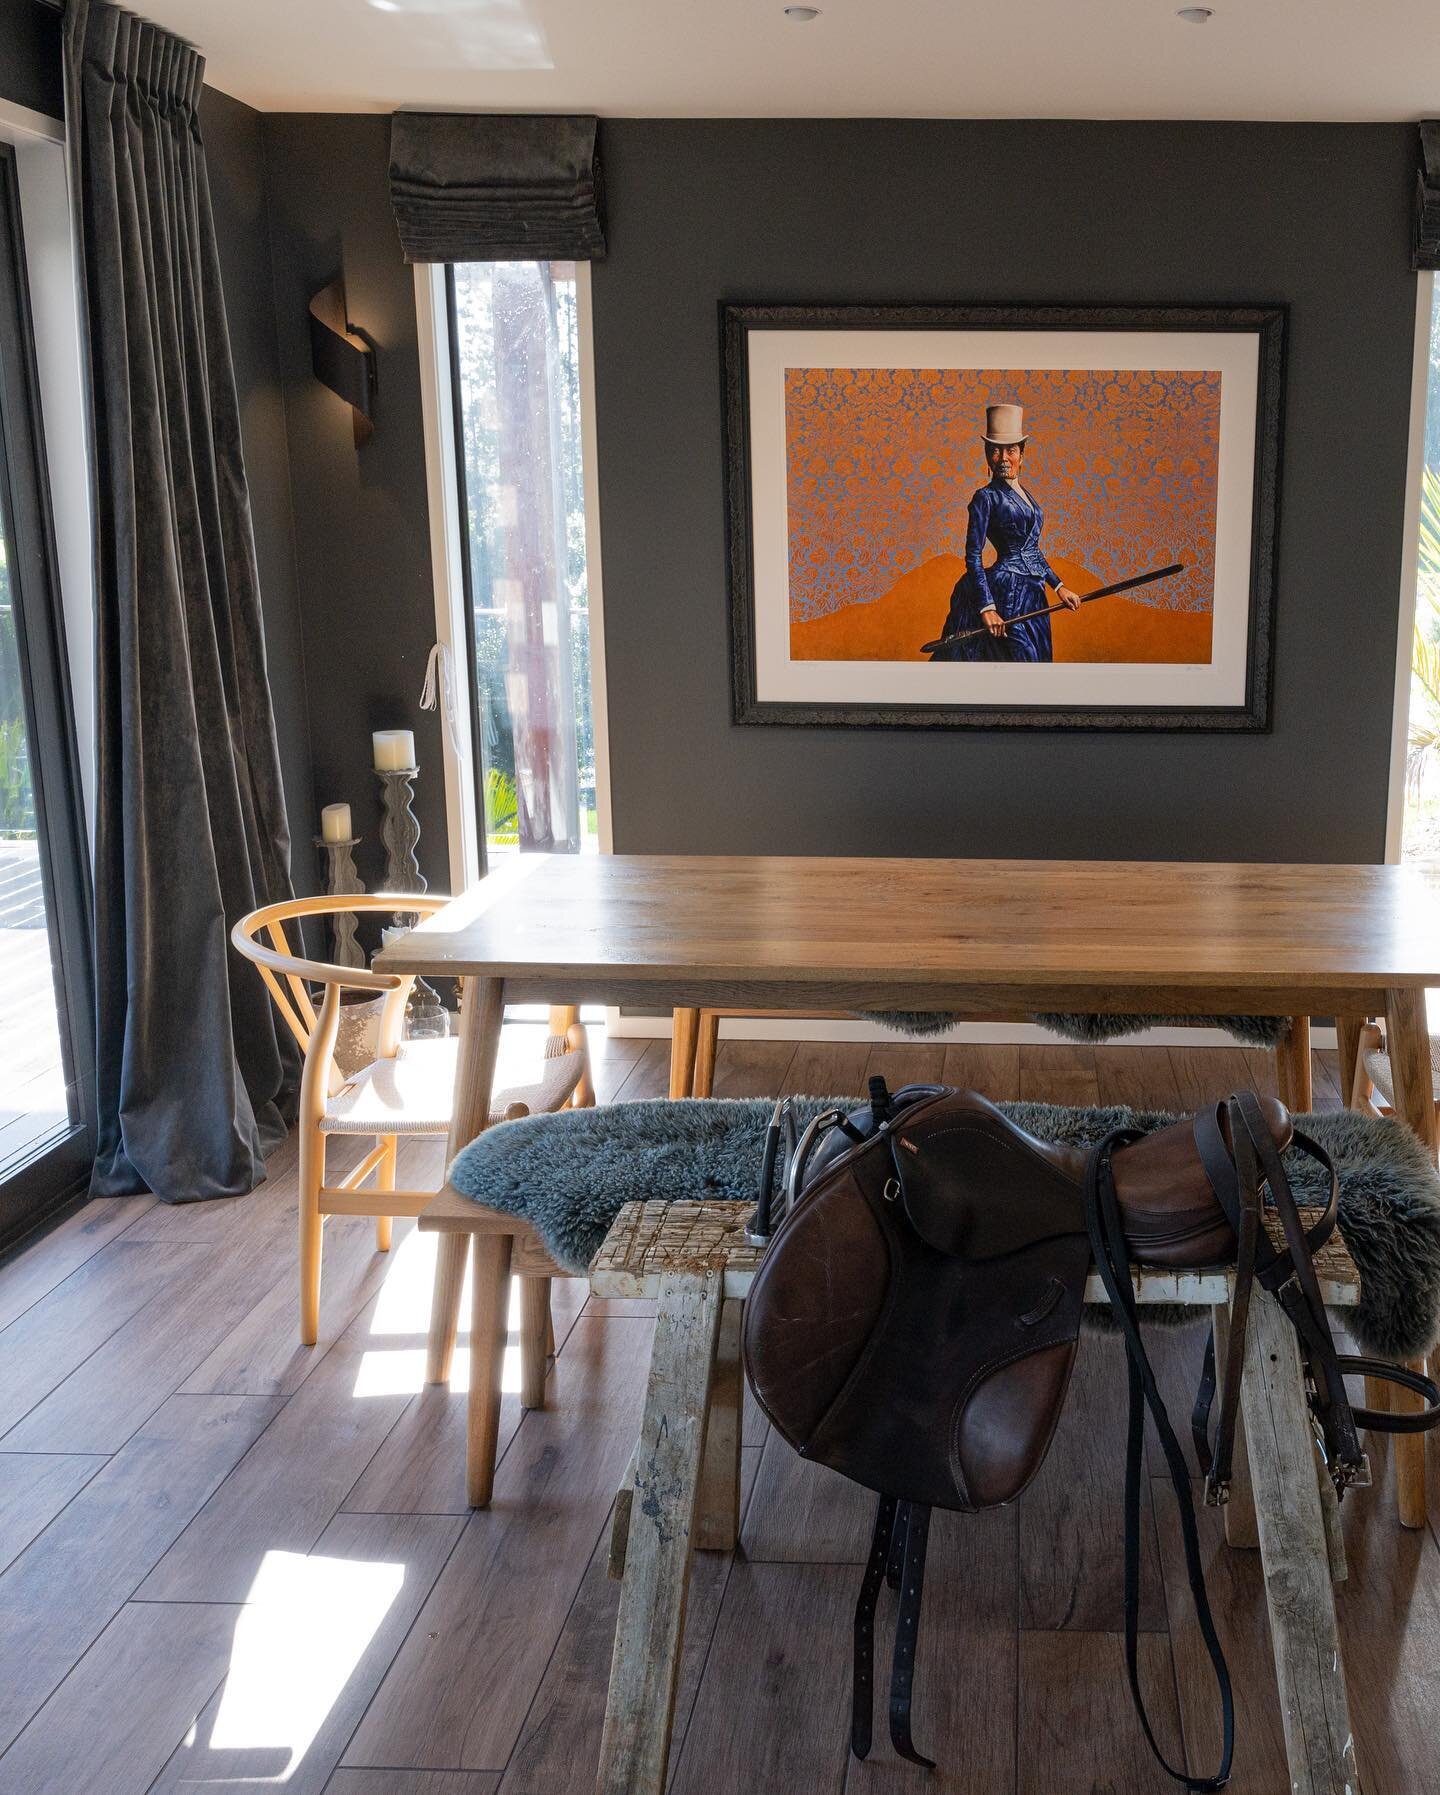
pixel 1248 710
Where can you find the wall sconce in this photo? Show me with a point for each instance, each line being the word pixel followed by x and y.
pixel 343 357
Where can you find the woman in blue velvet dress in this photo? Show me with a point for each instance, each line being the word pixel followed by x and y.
pixel 1004 514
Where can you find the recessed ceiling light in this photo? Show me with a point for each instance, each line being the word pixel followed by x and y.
pixel 1195 15
pixel 803 13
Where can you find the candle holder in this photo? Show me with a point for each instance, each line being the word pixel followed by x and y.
pixel 425 1016
pixel 343 881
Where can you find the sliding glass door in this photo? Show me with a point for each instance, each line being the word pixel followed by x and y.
pixel 46 1051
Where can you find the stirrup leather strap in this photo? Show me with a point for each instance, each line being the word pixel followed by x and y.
pixel 1112 1258
pixel 897 1557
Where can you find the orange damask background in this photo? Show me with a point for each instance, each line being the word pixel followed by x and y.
pixel 882 463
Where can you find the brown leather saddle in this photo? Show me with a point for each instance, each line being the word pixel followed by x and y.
pixel 915 1319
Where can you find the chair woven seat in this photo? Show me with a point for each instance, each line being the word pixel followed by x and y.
pixel 1377 1061
pixel 413 1093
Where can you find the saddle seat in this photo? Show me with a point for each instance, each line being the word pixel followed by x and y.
pixel 919 1329
pixel 1005 1189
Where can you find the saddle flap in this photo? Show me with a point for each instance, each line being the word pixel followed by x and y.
pixel 976 1187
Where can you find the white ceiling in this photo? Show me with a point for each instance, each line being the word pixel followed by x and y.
pixel 1255 59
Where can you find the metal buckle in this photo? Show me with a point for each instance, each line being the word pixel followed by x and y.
pixel 1353 1475
pixel 1217 1491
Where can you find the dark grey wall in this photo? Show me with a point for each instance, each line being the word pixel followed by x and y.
pixel 235 156
pixel 362 541
pixel 706 211
pixel 30 56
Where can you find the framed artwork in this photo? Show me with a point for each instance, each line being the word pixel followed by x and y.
pixel 1020 517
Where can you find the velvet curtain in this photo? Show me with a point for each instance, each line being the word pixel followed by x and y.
pixel 193 1073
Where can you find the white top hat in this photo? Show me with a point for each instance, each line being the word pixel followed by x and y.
pixel 1004 424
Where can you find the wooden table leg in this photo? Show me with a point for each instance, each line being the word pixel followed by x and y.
pixel 717 1524
pixel 1292 1068
pixel 1407 1039
pixel 640 1704
pixel 1347 1039
pixel 482 1015
pixel 707 1046
pixel 1314 1706
pixel 685 1031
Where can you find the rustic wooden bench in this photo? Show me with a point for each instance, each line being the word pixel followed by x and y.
pixel 682 1490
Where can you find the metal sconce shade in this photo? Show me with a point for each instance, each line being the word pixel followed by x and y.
pixel 342 359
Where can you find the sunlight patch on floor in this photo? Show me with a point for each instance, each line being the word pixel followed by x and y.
pixel 400 1370
pixel 395 1365
pixel 305 1626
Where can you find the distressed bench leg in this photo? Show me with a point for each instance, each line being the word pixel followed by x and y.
pixel 640 1703
pixel 1319 1741
pixel 1240 1509
pixel 717 1524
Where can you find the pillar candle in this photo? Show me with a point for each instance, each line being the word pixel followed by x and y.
pixel 335 823
pixel 394 750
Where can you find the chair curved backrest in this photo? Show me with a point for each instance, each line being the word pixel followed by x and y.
pixel 316 1029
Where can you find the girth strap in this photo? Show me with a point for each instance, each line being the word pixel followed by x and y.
pixel 897 1557
pixel 862 1681
pixel 907 1632
pixel 1112 1258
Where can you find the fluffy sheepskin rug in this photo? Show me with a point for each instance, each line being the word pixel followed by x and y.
pixel 1090 1029
pixel 568 1175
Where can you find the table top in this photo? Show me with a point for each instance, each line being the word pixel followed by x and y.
pixel 1035 927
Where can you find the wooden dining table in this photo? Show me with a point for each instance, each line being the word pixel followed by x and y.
pixel 974 938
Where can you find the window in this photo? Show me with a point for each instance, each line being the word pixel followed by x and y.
pixel 515 349
pixel 1421 830
pixel 46 1075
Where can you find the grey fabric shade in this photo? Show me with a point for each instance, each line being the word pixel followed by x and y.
pixel 470 187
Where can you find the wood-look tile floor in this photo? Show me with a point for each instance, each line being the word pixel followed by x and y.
pixel 227 1563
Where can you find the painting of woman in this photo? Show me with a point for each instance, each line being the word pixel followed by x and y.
pixel 988 618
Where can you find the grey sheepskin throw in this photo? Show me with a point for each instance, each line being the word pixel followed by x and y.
pixel 568 1174
pixel 1250 1031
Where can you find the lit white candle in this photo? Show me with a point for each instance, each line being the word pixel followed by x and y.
pixel 394 750
pixel 335 823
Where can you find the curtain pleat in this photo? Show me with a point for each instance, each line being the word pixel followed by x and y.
pixel 194 1076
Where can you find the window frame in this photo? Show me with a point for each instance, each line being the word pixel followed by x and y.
pixel 454 615
pixel 1409 567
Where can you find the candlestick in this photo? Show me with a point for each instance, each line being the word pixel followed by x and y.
pixel 341 881
pixel 425 1015
pixel 335 823
pixel 394 750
